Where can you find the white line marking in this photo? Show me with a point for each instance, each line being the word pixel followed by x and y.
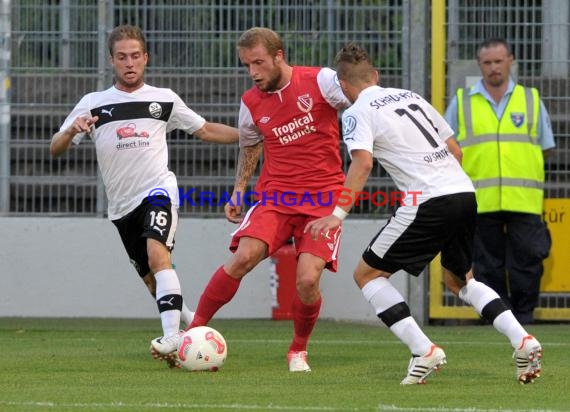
pixel 242 407
pixel 404 409
pixel 163 405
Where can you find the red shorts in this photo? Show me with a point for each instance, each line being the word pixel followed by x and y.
pixel 270 224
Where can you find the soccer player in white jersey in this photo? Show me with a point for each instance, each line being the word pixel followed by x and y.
pixel 128 124
pixel 412 141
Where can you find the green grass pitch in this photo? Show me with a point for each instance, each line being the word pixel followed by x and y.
pixel 105 365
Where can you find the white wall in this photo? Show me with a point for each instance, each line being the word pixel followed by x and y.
pixel 77 267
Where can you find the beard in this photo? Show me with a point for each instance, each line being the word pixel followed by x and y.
pixel 496 81
pixel 273 82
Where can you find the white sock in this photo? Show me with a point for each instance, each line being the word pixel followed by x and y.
pixel 186 316
pixel 382 295
pixel 478 295
pixel 167 283
pixel 409 332
pixel 508 325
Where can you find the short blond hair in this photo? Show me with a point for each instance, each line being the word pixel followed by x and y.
pixel 126 32
pixel 261 35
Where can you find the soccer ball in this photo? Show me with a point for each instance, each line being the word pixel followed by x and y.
pixel 202 349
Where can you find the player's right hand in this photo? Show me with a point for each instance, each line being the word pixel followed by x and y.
pixel 84 124
pixel 232 210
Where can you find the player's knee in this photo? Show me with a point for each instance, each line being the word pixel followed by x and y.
pixel 158 256
pixel 158 262
pixel 245 260
pixel 308 289
pixel 307 284
pixel 358 278
pixel 157 266
pixel 362 277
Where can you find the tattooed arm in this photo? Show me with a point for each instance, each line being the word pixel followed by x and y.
pixel 247 162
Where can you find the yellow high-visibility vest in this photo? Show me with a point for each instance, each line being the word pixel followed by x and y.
pixel 502 156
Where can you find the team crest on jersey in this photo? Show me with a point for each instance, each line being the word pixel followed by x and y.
pixel 348 125
pixel 517 119
pixel 155 110
pixel 305 103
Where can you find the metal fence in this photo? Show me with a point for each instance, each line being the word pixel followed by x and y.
pixel 58 54
pixel 53 52
pixel 539 34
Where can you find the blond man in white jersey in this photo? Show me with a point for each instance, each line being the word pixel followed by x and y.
pixel 128 124
pixel 412 141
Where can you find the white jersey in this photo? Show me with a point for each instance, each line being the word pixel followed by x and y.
pixel 407 136
pixel 130 140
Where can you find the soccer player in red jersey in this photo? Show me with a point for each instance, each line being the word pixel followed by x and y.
pixel 291 116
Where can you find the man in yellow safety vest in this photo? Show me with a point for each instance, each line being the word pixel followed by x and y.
pixel 504 131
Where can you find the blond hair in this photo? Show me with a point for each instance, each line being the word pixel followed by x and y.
pixel 126 32
pixel 261 35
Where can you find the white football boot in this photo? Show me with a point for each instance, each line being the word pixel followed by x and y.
pixel 528 358
pixel 421 367
pixel 298 361
pixel 165 348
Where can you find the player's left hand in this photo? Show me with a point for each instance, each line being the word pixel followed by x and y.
pixel 320 227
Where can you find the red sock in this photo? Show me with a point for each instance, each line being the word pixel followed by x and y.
pixel 220 290
pixel 304 320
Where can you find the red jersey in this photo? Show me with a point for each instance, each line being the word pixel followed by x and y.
pixel 299 127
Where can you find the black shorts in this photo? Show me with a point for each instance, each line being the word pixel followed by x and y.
pixel 156 221
pixel 414 235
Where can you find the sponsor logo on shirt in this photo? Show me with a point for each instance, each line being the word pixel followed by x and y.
pixel 348 125
pixel 298 127
pixel 129 131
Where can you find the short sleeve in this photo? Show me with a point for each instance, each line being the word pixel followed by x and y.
pixel 249 134
pixel 81 109
pixel 545 134
pixel 183 117
pixel 357 132
pixel 330 89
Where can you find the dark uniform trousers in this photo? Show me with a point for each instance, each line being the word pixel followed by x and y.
pixel 508 256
